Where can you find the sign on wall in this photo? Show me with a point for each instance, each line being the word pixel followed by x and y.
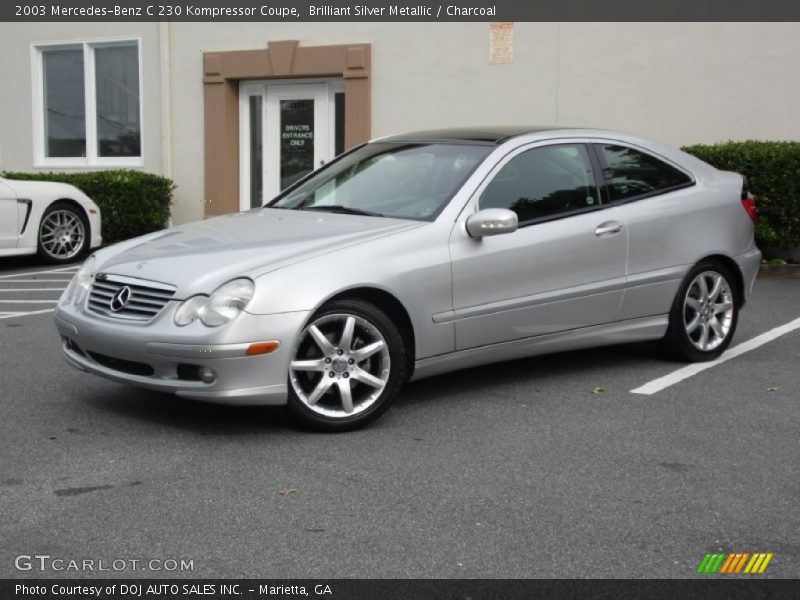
pixel 501 42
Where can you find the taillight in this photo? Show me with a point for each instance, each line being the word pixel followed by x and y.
pixel 749 204
pixel 748 201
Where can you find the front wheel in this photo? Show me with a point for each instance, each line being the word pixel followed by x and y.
pixel 348 366
pixel 704 314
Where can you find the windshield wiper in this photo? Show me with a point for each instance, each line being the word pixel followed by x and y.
pixel 345 210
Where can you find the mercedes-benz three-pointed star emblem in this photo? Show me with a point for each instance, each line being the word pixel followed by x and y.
pixel 120 299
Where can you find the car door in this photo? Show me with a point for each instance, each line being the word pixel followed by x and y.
pixel 564 267
pixel 652 195
pixel 9 230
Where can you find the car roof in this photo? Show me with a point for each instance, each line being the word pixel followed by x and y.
pixel 496 136
pixel 476 135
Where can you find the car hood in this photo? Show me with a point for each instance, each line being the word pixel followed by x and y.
pixel 199 256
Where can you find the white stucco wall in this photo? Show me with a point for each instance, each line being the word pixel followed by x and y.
pixel 679 82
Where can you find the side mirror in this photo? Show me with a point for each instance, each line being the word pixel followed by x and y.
pixel 492 221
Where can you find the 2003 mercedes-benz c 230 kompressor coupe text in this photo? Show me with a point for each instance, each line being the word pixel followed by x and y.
pixel 418 254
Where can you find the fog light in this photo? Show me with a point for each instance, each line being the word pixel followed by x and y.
pixel 207 375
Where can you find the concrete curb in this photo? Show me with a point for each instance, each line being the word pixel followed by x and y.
pixel 780 271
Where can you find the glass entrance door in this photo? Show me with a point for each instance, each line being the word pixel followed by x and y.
pixel 286 131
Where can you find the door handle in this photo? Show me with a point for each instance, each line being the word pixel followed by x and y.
pixel 608 228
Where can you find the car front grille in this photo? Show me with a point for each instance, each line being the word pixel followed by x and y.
pixel 142 301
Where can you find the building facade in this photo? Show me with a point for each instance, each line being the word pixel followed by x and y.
pixel 235 112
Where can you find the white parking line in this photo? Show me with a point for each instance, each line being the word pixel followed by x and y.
pixel 651 387
pixel 60 271
pixel 25 314
pixel 10 281
pixel 19 284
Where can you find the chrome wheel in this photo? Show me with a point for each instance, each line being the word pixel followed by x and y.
pixel 708 310
pixel 341 366
pixel 62 234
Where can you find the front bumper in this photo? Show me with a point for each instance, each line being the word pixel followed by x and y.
pixel 163 357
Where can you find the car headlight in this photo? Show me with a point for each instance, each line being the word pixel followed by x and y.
pixel 80 285
pixel 227 301
pixel 189 310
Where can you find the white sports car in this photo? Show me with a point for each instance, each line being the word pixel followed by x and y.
pixel 55 220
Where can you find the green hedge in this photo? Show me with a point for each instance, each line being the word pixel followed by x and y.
pixel 131 202
pixel 773 171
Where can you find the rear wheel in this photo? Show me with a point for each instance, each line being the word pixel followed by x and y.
pixel 349 365
pixel 704 314
pixel 63 233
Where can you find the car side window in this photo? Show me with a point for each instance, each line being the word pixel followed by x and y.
pixel 630 173
pixel 543 182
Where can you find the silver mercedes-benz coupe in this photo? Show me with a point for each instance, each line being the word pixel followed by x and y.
pixel 418 254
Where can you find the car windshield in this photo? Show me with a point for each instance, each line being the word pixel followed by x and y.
pixel 403 181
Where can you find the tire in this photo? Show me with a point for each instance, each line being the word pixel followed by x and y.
pixel 63 234
pixel 695 315
pixel 348 344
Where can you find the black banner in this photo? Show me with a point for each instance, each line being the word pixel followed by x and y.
pixel 399 589
pixel 419 10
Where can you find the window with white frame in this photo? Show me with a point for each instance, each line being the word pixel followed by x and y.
pixel 89 101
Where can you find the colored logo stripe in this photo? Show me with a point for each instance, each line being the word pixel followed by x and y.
pixel 734 562
pixel 758 563
pixel 710 563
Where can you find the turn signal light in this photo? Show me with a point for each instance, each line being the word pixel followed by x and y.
pixel 261 348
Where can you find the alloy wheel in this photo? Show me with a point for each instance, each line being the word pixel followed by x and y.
pixel 341 366
pixel 708 310
pixel 62 234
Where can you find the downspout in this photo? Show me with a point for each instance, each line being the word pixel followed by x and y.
pixel 558 74
pixel 165 51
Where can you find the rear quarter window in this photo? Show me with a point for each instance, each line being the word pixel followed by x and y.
pixel 629 173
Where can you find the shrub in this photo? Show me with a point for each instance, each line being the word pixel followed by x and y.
pixel 131 202
pixel 773 171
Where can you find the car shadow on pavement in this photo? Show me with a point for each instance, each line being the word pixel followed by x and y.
pixel 203 418
pixel 27 262
pixel 540 370
pixel 166 410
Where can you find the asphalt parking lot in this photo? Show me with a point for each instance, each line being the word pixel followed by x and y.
pixel 545 467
